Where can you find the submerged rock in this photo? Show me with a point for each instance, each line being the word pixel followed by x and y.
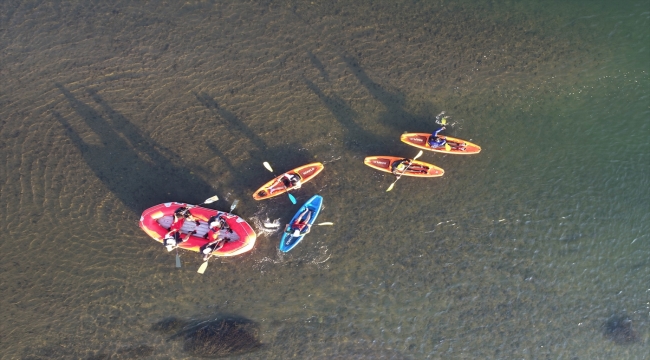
pixel 618 328
pixel 224 336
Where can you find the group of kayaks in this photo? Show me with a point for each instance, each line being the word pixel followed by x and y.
pixel 400 166
pixel 236 236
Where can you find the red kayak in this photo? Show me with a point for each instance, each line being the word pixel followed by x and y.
pixel 156 221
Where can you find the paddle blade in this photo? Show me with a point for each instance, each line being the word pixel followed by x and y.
pixel 391 186
pixel 178 261
pixel 444 121
pixel 293 199
pixel 447 147
pixel 211 200
pixel 234 205
pixel 418 155
pixel 325 223
pixel 202 268
pixel 267 166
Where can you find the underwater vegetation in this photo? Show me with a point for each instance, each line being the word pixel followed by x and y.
pixel 618 328
pixel 220 337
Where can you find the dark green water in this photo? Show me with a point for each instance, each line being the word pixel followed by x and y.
pixel 523 251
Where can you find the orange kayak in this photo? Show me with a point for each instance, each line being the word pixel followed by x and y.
pixel 276 187
pixel 420 140
pixel 417 169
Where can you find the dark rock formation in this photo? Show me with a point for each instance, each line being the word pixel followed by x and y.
pixel 223 336
pixel 618 328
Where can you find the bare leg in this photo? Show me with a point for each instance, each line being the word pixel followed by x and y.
pixel 302 215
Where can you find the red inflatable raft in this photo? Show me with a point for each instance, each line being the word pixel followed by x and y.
pixel 157 219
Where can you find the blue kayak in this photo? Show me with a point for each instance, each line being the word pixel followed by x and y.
pixel 305 218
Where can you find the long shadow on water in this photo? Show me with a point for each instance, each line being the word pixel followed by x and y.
pixel 283 157
pixel 357 138
pixel 131 165
pixel 395 116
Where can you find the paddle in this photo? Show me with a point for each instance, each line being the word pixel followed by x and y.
pixel 325 223
pixel 269 168
pixel 178 257
pixel 209 200
pixel 204 266
pixel 400 175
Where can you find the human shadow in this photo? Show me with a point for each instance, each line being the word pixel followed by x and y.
pixel 395 116
pixel 318 65
pixel 282 157
pixel 357 138
pixel 131 165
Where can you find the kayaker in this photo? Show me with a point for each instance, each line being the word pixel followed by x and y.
pixel 436 142
pixel 301 226
pixel 291 180
pixel 398 167
pixel 180 215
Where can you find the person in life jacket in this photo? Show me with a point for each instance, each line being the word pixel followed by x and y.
pixel 435 142
pixel 301 226
pixel 398 167
pixel 215 224
pixel 291 180
pixel 207 249
pixel 180 215
pixel 173 239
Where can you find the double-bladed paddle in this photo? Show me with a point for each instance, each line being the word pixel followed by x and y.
pixel 269 168
pixel 407 167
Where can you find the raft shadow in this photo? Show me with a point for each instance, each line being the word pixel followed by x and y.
pixel 138 171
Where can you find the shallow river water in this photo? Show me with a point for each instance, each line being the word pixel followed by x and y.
pixel 529 249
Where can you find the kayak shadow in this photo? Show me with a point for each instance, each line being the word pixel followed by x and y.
pixel 131 165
